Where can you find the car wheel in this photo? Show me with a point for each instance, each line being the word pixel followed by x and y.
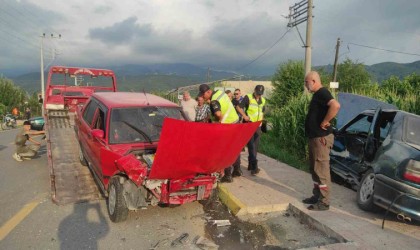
pixel 3 125
pixel 117 208
pixel 82 158
pixel 366 191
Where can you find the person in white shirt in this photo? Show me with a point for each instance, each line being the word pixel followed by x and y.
pixel 188 105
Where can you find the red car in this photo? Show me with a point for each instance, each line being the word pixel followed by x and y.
pixel 119 134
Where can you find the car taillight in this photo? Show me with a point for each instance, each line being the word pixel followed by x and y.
pixel 412 171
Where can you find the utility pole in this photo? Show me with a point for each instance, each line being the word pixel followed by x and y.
pixel 208 74
pixel 42 74
pixel 308 48
pixel 337 48
pixel 42 69
pixel 296 11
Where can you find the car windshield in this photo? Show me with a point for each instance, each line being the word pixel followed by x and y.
pixel 139 124
pixel 412 130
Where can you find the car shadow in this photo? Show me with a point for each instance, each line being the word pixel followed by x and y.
pixel 2 147
pixel 84 227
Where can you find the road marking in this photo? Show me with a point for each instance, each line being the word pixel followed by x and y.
pixel 18 218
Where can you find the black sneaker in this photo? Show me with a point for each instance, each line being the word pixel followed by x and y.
pixel 255 171
pixel 310 200
pixel 237 173
pixel 249 167
pixel 227 179
pixel 319 206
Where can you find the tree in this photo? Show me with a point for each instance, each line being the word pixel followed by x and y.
pixel 288 82
pixel 395 85
pixel 10 95
pixel 413 81
pixel 352 75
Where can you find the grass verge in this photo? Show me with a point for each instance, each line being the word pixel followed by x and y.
pixel 270 146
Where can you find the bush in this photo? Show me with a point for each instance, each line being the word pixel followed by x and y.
pixel 288 128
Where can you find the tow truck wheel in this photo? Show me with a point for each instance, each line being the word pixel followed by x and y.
pixel 365 192
pixel 117 208
pixel 82 158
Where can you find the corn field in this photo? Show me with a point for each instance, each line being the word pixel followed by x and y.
pixel 287 123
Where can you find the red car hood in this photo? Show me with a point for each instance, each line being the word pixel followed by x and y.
pixel 187 148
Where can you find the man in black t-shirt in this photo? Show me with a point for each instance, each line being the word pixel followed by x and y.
pixel 322 109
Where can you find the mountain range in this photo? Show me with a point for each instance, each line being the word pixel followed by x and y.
pixel 165 77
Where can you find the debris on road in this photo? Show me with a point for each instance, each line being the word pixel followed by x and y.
pixel 204 243
pixel 181 240
pixel 221 223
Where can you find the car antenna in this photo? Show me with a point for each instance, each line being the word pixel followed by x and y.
pixel 144 92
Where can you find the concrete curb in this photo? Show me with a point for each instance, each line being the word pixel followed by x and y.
pixel 233 203
pixel 239 209
pixel 309 220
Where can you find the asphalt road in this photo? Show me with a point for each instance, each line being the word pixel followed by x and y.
pixel 29 220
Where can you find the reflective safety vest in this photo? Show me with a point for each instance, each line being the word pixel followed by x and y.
pixel 229 114
pixel 255 110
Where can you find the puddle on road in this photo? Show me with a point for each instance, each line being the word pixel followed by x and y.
pixel 280 230
pixel 239 235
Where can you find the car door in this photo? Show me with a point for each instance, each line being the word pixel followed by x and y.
pixel 347 154
pixel 372 142
pixel 97 144
pixel 85 127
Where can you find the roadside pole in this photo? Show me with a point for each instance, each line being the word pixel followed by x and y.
pixel 337 48
pixel 308 49
pixel 42 74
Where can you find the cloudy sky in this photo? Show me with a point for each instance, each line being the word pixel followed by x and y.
pixel 221 34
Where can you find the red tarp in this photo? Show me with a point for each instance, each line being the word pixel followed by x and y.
pixel 187 148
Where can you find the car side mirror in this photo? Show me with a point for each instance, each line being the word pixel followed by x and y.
pixel 335 130
pixel 98 133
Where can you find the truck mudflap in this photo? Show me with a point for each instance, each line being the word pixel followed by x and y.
pixel 70 181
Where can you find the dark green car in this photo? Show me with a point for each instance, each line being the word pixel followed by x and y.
pixel 378 154
pixel 37 123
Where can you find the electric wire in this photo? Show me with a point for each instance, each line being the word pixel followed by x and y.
pixel 387 50
pixel 262 54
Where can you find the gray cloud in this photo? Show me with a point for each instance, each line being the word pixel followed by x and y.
pixel 225 39
pixel 252 32
pixel 121 32
pixel 102 9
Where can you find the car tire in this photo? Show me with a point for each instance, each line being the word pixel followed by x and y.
pixel 3 125
pixel 117 208
pixel 366 191
pixel 82 158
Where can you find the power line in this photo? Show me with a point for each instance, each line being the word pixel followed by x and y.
pixel 15 18
pixel 388 50
pixel 268 49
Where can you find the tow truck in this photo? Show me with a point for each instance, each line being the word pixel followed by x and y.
pixel 67 88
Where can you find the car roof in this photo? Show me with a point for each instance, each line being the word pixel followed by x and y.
pixel 131 99
pixel 372 112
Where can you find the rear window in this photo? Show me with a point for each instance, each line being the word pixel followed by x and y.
pixel 412 130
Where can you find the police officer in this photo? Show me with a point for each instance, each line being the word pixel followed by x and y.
pixel 222 111
pixel 252 110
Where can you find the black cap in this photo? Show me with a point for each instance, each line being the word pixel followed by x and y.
pixel 203 89
pixel 26 123
pixel 259 89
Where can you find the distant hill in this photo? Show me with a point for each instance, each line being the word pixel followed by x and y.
pixel 169 76
pixel 134 77
pixel 382 71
